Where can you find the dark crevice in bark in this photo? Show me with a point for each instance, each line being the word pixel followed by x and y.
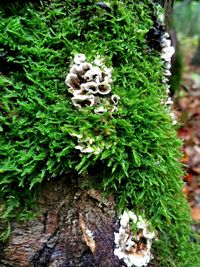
pixel 42 257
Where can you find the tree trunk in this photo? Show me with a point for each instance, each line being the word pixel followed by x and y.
pixel 75 227
pixel 60 235
pixel 196 58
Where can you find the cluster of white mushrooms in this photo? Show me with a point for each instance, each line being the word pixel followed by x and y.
pixel 166 55
pixel 89 144
pixel 133 249
pixel 90 85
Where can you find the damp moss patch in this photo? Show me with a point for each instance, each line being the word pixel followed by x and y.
pixel 140 160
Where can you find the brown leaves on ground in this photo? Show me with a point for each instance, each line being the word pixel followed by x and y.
pixel 187 110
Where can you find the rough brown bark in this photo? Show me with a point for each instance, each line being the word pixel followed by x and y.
pixel 167 4
pixel 61 235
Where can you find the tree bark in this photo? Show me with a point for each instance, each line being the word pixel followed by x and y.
pixel 76 228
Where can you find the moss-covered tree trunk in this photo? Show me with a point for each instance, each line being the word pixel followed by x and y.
pixel 59 236
pixel 76 222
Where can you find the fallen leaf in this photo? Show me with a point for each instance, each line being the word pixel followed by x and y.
pixel 188 178
pixel 196 169
pixel 195 213
pixel 184 133
pixel 186 191
pixel 185 159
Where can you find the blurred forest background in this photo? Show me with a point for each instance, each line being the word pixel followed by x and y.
pixel 186 89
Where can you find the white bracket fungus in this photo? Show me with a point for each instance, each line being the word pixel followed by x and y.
pixel 166 55
pixel 133 247
pixel 88 144
pixel 90 85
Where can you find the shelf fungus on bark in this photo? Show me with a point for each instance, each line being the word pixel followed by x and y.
pixel 79 58
pixel 90 87
pixel 166 55
pixel 133 246
pixel 167 51
pixel 90 84
pixel 81 101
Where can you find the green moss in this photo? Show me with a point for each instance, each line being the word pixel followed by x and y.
pixel 142 166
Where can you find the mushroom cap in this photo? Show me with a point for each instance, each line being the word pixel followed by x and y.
pixel 94 74
pixel 80 101
pixel 72 81
pixel 115 99
pixel 99 61
pixel 90 87
pixel 79 58
pixel 167 53
pixel 104 88
pixel 100 110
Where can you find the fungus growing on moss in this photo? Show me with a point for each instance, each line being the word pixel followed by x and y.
pixel 133 248
pixel 89 144
pixel 166 55
pixel 79 58
pixel 86 80
pixel 167 51
pixel 81 101
pixel 115 99
pixel 90 86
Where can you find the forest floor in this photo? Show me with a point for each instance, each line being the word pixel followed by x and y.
pixel 187 110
